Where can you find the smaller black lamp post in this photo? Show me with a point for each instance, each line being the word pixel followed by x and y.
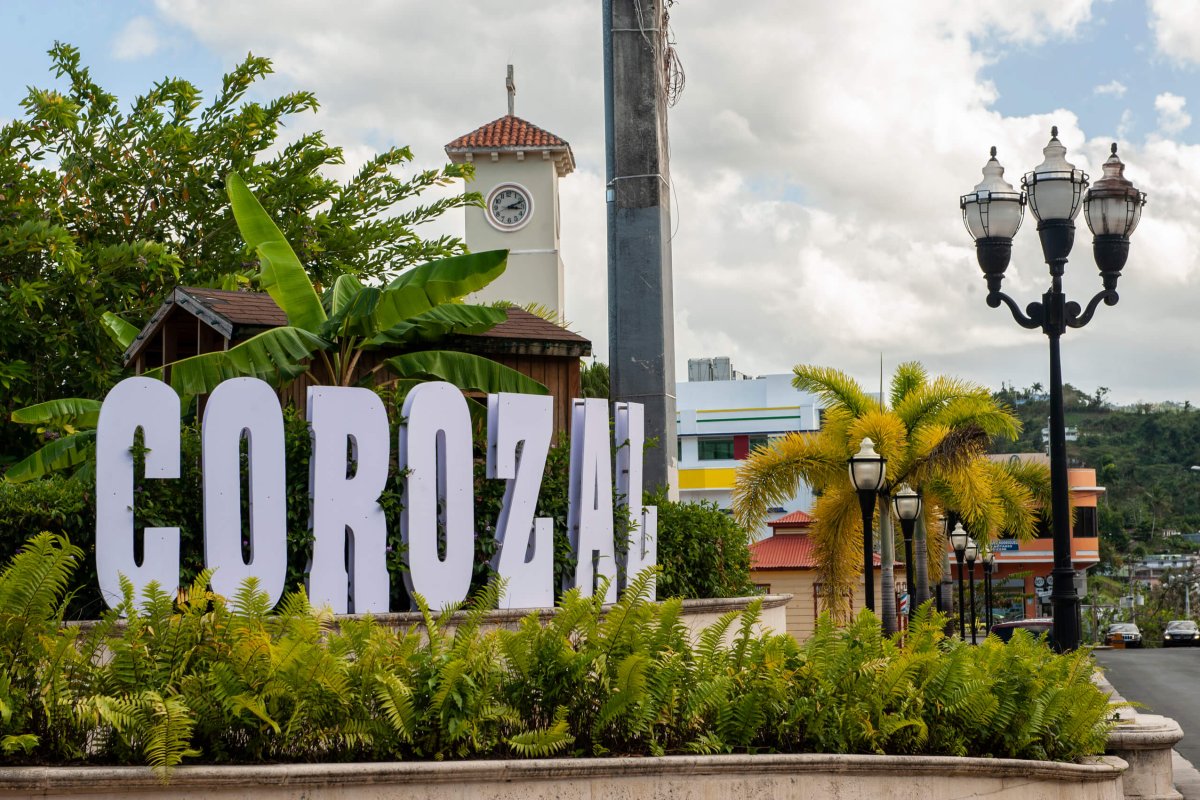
pixel 989 567
pixel 971 554
pixel 958 540
pixel 908 506
pixel 867 473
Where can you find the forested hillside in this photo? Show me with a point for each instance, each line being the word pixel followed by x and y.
pixel 1142 455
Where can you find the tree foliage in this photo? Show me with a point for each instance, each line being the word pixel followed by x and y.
pixel 106 207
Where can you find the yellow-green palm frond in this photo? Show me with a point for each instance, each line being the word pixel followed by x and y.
pixel 979 409
pixel 836 422
pixel 834 387
pixel 837 547
pixel 888 433
pixel 957 449
pixel 908 378
pixel 968 492
pixel 770 475
pixel 1015 499
pixel 1034 476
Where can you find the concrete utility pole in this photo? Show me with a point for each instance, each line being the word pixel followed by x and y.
pixel 641 318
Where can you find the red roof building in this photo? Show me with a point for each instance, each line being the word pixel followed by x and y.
pixel 786 563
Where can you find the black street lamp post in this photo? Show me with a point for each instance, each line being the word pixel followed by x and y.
pixel 908 507
pixel 867 473
pixel 972 552
pixel 958 539
pixel 992 213
pixel 989 566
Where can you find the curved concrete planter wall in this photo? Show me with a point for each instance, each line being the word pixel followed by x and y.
pixel 1145 743
pixel 803 777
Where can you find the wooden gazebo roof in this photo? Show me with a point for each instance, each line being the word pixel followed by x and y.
pixel 236 316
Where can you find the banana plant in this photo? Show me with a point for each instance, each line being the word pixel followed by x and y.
pixel 325 337
pixel 71 422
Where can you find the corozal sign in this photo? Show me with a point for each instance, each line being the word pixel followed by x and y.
pixel 348 470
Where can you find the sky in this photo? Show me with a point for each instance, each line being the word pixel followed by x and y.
pixel 818 152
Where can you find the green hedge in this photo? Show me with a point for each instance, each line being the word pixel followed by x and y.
pixel 703 552
pixel 205 678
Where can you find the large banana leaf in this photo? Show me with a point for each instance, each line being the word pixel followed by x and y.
pixel 73 412
pixel 275 356
pixel 280 272
pixel 354 314
pixel 118 329
pixel 468 372
pixel 442 321
pixel 451 278
pixel 58 454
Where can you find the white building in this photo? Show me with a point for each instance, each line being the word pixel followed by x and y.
pixel 723 416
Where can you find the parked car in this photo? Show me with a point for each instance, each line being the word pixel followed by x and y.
pixel 1181 633
pixel 1036 626
pixel 1127 632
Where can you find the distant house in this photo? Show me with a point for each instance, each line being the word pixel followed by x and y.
pixel 785 563
pixel 193 321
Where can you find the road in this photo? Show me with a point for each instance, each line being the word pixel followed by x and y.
pixel 1163 680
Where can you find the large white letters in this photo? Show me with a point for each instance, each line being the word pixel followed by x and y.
pixel 435 447
pixel 244 408
pixel 152 406
pixel 348 471
pixel 519 429
pixel 349 566
pixel 590 512
pixel 629 433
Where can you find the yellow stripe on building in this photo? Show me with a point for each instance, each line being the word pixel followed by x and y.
pixel 706 478
pixel 765 408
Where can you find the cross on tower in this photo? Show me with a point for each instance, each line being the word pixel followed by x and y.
pixel 512 91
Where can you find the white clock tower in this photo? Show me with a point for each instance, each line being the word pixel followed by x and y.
pixel 517 168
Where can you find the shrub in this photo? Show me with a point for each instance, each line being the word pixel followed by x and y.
pixel 225 680
pixel 702 551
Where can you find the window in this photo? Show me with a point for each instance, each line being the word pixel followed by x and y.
pixel 1085 523
pixel 758 441
pixel 716 449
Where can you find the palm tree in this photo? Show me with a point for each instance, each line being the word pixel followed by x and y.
pixel 934 434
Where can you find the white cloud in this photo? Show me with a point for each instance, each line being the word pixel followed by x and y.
pixel 137 39
pixel 865 252
pixel 1172 118
pixel 1114 88
pixel 1176 26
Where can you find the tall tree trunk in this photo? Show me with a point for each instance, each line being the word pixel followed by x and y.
pixel 887 559
pixel 947 586
pixel 920 592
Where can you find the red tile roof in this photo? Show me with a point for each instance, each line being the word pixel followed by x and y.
pixel 513 135
pixel 508 131
pixel 786 551
pixel 796 519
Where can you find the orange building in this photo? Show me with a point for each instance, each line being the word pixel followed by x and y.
pixel 1026 566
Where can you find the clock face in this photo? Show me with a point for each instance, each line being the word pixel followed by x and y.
pixel 509 206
